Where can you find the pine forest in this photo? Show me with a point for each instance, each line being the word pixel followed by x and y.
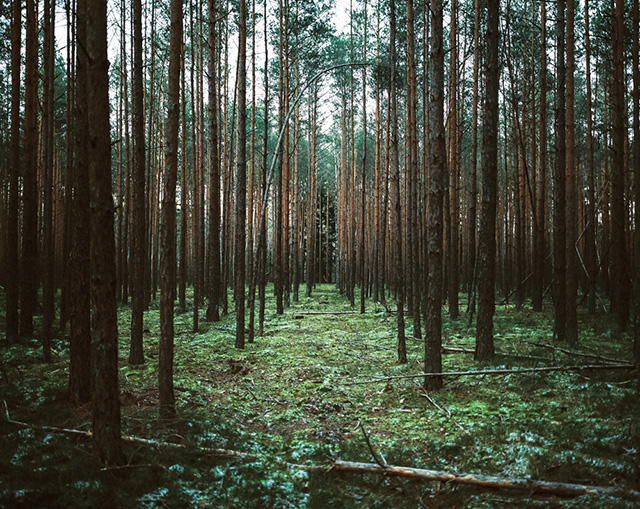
pixel 322 253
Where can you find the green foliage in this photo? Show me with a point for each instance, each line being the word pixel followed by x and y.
pixel 287 398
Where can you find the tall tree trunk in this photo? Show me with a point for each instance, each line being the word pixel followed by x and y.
pixel 437 174
pixel 397 229
pixel 29 258
pixel 591 254
pixel 454 170
pixel 363 192
pixel 138 198
pixel 13 262
pixel 636 170
pixel 80 363
pixel 619 263
pixel 571 186
pixel 48 258
pixel 241 179
pixel 106 403
pixel 487 230
pixel 541 179
pixel 559 215
pixel 168 232
pixel 214 289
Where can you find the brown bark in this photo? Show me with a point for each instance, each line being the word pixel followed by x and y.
pixel 437 175
pixel 571 328
pixel 214 290
pixel 168 232
pixel 619 262
pixel 29 276
pixel 13 262
pixel 138 198
pixel 541 178
pixel 80 364
pixel 487 230
pixel 106 404
pixel 559 211
pixel 241 180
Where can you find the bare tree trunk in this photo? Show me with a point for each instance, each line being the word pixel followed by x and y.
pixel 138 198
pixel 214 289
pixel 29 269
pixel 487 231
pixel 168 232
pixel 106 403
pixel 619 265
pixel 541 179
pixel 13 262
pixel 241 180
pixel 437 165
pixel 559 216
pixel 571 186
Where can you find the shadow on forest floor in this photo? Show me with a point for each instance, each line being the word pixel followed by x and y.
pixel 288 397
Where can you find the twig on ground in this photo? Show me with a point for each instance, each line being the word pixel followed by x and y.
pixel 380 461
pixel 545 369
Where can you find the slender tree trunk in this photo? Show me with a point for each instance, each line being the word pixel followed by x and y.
pixel 29 269
pixel 636 170
pixel 571 186
pixel 168 232
pixel 106 403
pixel 473 181
pixel 541 179
pixel 437 173
pixel 214 289
pixel 48 258
pixel 80 364
pixel 559 217
pixel 402 347
pixel 138 198
pixel 13 262
pixel 619 263
pixel 487 231
pixel 591 255
pixel 241 180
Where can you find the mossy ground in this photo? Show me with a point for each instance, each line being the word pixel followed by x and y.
pixel 288 396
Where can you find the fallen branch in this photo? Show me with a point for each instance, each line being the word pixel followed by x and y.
pixel 577 354
pixel 545 369
pixel 529 486
pixel 327 313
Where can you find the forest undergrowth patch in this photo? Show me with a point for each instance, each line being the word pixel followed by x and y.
pixel 290 396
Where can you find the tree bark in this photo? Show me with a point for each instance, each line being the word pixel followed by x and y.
pixel 241 180
pixel 437 175
pixel 13 261
pixel 138 198
pixel 29 276
pixel 106 403
pixel 487 230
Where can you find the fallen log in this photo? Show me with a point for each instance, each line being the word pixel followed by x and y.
pixel 303 313
pixel 566 351
pixel 545 369
pixel 529 486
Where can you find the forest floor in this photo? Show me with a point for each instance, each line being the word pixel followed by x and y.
pixel 291 397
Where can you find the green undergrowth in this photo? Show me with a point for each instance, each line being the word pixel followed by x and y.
pixel 291 397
